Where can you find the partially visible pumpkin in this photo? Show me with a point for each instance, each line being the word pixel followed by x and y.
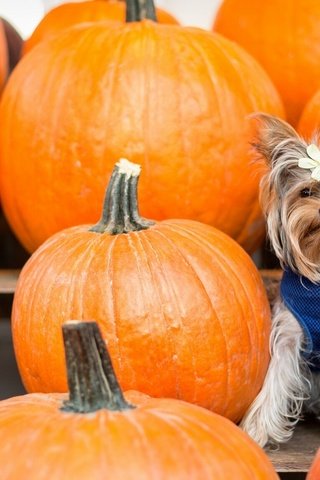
pixel 3 56
pixel 181 306
pixel 69 14
pixel 314 472
pixel 284 37
pixel 98 433
pixel 309 123
pixel 174 99
pixel 10 50
pixel 14 44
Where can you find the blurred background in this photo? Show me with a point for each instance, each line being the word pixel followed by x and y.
pixel 24 15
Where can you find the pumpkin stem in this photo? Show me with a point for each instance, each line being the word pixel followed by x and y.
pixel 92 382
pixel 138 10
pixel 120 209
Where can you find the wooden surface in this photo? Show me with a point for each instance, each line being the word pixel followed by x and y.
pixel 271 280
pixel 8 280
pixel 297 455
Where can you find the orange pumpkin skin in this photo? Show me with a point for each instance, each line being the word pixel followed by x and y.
pixel 285 39
pixel 310 119
pixel 159 440
pixel 314 472
pixel 69 14
pixel 181 307
pixel 170 98
pixel 97 432
pixel 3 56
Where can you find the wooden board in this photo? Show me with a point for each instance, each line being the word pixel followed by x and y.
pixel 271 280
pixel 8 281
pixel 297 455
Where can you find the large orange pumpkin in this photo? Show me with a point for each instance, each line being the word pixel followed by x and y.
pixel 181 305
pixel 309 123
pixel 99 433
pixel 69 14
pixel 173 99
pixel 284 37
pixel 314 472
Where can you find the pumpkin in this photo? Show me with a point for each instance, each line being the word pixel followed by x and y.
pixel 285 39
pixel 99 432
pixel 3 57
pixel 14 44
pixel 69 14
pixel 171 98
pixel 10 49
pixel 181 306
pixel 314 472
pixel 310 119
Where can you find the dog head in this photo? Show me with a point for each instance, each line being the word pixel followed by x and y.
pixel 290 194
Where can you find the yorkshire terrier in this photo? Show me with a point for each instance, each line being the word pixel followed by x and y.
pixel 290 200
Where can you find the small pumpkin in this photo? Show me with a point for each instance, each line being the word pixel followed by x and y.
pixel 100 433
pixel 310 119
pixel 69 14
pixel 172 98
pixel 314 472
pixel 181 306
pixel 284 38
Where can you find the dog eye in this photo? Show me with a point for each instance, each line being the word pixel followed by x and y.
pixel 306 192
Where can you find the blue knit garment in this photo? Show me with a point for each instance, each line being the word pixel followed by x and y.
pixel 302 298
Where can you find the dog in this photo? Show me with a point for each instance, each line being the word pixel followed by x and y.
pixel 290 200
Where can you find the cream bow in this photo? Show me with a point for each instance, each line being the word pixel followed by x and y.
pixel 312 162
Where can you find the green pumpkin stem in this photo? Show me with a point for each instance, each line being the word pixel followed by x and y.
pixel 92 382
pixel 120 210
pixel 138 10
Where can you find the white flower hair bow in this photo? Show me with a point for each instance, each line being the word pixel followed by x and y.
pixel 312 162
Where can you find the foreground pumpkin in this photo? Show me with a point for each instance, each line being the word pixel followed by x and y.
pixel 314 472
pixel 181 305
pixel 98 433
pixel 171 98
pixel 70 14
pixel 285 38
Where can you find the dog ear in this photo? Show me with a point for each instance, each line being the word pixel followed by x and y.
pixel 271 133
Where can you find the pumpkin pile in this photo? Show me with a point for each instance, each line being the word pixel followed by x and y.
pixel 173 99
pixel 169 306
